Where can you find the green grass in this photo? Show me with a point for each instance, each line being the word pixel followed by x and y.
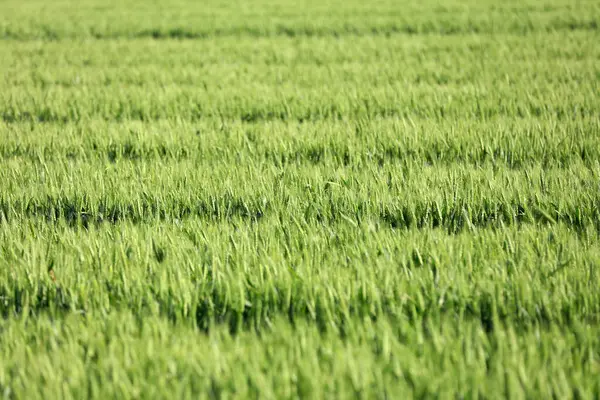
pixel 316 199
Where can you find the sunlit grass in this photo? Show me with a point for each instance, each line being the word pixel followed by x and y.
pixel 289 200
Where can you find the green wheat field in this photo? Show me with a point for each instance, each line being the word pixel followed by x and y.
pixel 300 199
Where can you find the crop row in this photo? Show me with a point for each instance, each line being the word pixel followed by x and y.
pixel 359 143
pixel 182 61
pixel 243 275
pixel 277 18
pixel 372 359
pixel 266 103
pixel 454 202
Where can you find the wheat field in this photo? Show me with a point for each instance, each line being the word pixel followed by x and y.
pixel 312 199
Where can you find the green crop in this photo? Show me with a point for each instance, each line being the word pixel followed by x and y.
pixel 314 199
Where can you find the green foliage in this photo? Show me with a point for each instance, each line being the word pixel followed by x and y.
pixel 299 199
